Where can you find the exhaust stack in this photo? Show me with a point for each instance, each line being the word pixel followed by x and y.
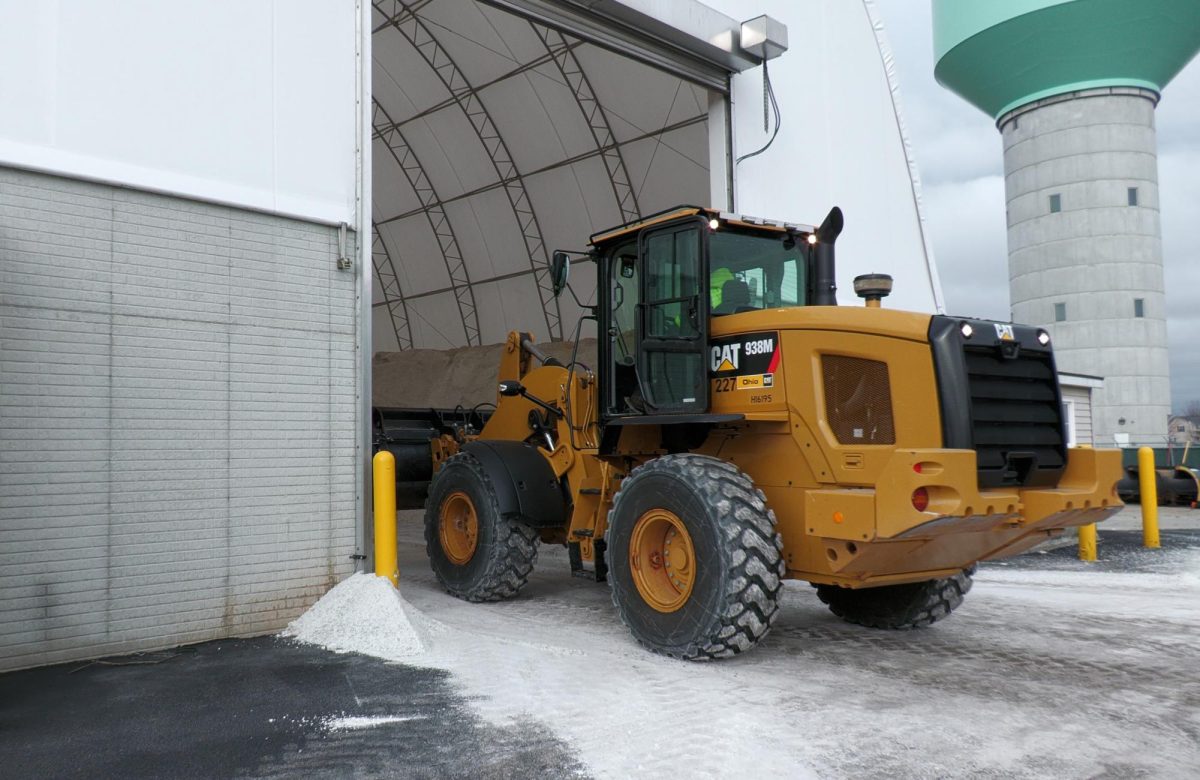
pixel 825 285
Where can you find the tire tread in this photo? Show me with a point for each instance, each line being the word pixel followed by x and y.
pixel 898 607
pixel 511 559
pixel 747 527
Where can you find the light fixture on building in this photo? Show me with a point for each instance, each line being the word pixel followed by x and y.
pixel 764 37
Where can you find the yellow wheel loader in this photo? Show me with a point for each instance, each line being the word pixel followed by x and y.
pixel 738 429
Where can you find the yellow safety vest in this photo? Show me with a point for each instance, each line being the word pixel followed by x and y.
pixel 716 284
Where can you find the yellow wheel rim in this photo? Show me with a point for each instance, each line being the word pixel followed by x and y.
pixel 662 559
pixel 458 528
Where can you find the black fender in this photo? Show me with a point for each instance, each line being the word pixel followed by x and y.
pixel 526 487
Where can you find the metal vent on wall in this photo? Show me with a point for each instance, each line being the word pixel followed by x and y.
pixel 858 400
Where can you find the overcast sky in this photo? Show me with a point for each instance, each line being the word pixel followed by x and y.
pixel 961 163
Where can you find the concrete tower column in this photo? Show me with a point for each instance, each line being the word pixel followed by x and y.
pixel 1072 85
pixel 1085 248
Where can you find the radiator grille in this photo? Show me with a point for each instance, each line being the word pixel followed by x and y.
pixel 1016 420
pixel 858 400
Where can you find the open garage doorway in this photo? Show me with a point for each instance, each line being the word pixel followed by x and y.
pixel 498 139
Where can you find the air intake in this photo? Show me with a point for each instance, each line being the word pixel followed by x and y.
pixel 858 400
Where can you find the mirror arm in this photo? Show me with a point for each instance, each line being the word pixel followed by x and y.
pixel 593 310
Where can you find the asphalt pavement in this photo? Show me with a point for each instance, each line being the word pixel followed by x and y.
pixel 262 707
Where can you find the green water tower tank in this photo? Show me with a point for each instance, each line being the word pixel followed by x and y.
pixel 1000 55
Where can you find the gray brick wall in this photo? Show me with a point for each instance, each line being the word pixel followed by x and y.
pixel 177 419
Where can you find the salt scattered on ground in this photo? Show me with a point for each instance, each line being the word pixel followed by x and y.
pixel 360 722
pixel 344 722
pixel 361 614
pixel 1041 673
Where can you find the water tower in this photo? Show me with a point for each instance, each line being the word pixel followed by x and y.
pixel 1072 85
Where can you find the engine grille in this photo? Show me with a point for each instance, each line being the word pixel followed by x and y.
pixel 858 400
pixel 1016 416
pixel 999 394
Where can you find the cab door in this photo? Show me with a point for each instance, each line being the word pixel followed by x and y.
pixel 673 317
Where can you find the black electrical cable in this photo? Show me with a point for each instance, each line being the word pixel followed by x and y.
pixel 778 117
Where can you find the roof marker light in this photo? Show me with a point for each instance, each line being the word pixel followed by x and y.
pixel 812 238
pixel 1043 338
pixel 967 330
pixel 714 223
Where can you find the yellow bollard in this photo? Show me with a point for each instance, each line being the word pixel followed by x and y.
pixel 384 467
pixel 1087 542
pixel 1148 484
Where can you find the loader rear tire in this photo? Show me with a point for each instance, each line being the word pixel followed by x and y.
pixel 726 598
pixel 898 607
pixel 476 554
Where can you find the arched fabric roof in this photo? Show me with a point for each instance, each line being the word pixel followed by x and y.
pixel 496 141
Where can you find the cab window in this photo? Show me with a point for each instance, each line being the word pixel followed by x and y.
pixel 749 272
pixel 624 296
pixel 624 290
pixel 674 326
pixel 671 266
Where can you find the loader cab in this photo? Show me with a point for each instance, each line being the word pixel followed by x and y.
pixel 662 281
pixel 655 314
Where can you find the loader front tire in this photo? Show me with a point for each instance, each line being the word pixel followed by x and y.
pixel 476 554
pixel 695 564
pixel 898 607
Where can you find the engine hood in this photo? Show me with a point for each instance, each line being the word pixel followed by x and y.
pixel 912 326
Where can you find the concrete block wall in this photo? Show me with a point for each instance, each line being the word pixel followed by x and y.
pixel 177 419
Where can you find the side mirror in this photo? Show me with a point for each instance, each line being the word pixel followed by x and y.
pixel 560 269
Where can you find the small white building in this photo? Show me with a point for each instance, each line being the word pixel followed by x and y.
pixel 1077 408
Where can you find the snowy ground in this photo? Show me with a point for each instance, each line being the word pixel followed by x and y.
pixel 1046 672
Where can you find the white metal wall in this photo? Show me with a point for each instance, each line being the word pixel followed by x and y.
pixel 247 103
pixel 841 142
pixel 177 419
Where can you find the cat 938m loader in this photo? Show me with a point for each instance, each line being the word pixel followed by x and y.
pixel 739 428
